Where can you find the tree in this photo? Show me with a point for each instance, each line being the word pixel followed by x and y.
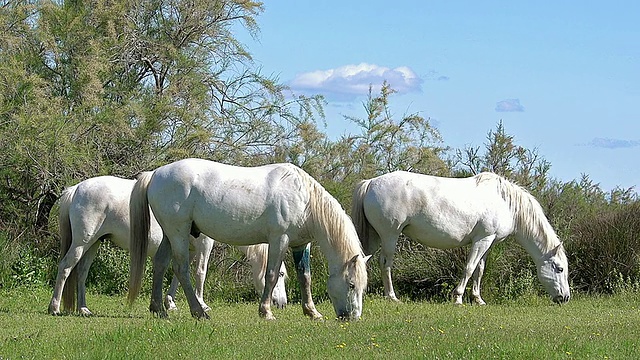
pixel 502 156
pixel 116 87
pixel 387 143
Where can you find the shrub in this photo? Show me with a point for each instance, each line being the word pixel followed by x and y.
pixel 604 251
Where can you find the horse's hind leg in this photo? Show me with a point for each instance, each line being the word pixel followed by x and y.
pixel 161 261
pixel 477 278
pixel 83 271
pixel 200 256
pixel 180 250
pixel 303 270
pixel 65 267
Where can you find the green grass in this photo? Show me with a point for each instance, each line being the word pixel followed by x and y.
pixel 587 327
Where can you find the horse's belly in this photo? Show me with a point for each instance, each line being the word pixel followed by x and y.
pixel 434 237
pixel 235 232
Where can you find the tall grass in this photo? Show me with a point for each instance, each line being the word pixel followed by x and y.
pixel 530 328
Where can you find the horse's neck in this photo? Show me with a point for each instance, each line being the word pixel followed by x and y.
pixel 532 228
pixel 537 244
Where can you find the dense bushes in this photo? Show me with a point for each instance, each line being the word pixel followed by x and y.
pixel 605 251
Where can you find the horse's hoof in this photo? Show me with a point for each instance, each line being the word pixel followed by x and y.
pixel 313 314
pixel 479 302
pixel 85 312
pixel 162 315
pixel 267 315
pixel 200 316
pixel 457 299
pixel 54 312
pixel 54 309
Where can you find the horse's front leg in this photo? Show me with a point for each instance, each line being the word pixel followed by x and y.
pixel 169 299
pixel 301 258
pixel 386 263
pixel 478 250
pixel 204 245
pixel 161 262
pixel 477 278
pixel 277 249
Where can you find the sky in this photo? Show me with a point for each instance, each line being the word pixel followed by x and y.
pixel 563 77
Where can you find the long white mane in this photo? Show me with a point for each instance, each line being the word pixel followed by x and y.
pixel 528 214
pixel 259 255
pixel 329 218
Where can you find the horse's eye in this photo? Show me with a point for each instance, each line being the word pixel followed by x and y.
pixel 281 273
pixel 352 286
pixel 557 268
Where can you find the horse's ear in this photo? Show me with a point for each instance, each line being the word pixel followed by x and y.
pixel 354 259
pixel 552 253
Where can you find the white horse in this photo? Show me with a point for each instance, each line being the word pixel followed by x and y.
pixel 98 208
pixel 277 204
pixel 449 213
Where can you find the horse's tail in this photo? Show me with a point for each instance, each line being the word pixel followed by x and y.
pixel 140 222
pixel 358 217
pixel 69 291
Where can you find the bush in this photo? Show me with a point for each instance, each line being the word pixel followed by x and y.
pixel 604 251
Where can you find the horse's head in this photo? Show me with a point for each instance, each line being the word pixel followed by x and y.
pixel 279 294
pixel 346 288
pixel 553 272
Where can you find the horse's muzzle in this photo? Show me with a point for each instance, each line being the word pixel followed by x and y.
pixel 561 299
pixel 280 304
pixel 347 317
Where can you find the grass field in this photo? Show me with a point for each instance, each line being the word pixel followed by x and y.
pixel 585 328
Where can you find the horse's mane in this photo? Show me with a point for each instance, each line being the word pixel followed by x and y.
pixel 528 214
pixel 253 256
pixel 329 218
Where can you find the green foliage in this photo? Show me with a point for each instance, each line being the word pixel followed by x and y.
pixel 605 251
pixel 109 273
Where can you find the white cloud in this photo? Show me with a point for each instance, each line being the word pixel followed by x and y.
pixel 509 105
pixel 350 81
pixel 613 143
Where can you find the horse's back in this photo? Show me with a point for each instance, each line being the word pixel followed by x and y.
pixel 437 211
pixel 238 205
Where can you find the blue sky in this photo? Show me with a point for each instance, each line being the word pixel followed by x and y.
pixel 564 77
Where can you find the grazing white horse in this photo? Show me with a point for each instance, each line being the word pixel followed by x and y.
pixel 98 208
pixel 449 213
pixel 276 204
